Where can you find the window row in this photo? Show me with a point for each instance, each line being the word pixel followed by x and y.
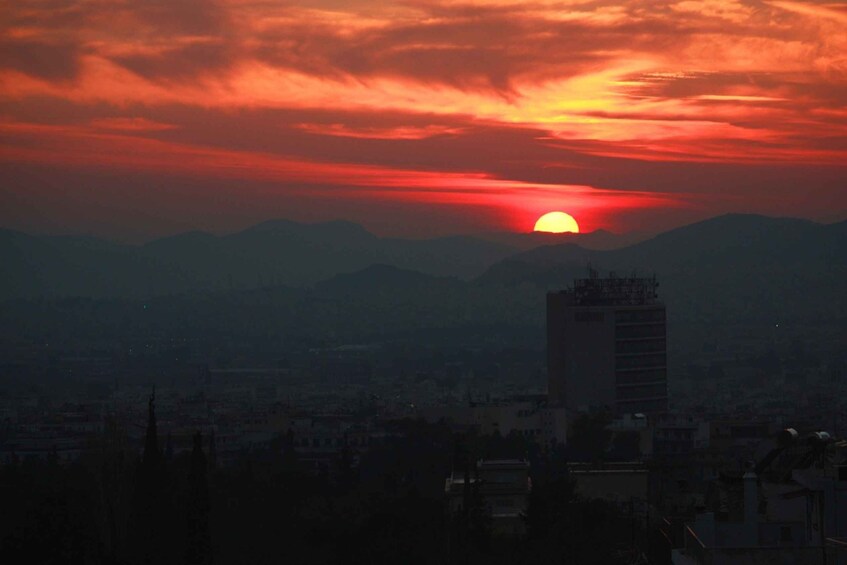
pixel 629 316
pixel 588 316
pixel 642 346
pixel 650 330
pixel 646 361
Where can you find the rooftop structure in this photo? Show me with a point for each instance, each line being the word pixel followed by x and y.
pixel 614 290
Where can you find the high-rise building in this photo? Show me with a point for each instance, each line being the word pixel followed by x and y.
pixel 607 345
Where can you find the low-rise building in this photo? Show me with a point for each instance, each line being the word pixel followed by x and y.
pixel 501 486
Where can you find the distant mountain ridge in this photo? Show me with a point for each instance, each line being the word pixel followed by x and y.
pixel 727 267
pixel 729 237
pixel 276 252
pixel 719 277
pixel 733 267
pixel 598 239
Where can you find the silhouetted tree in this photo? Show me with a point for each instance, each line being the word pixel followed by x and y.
pixel 49 513
pixel 472 523
pixel 626 446
pixel 148 532
pixel 589 437
pixel 198 551
pixel 213 451
pixel 169 448
pixel 347 476
pixel 478 516
pixel 115 489
pixel 548 505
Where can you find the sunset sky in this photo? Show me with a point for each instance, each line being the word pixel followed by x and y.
pixel 133 119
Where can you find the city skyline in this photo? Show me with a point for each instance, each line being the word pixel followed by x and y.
pixel 452 282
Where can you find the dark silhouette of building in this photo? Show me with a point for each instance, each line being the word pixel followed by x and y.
pixel 606 345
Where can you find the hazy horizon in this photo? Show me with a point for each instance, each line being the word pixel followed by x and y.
pixel 645 233
pixel 272 290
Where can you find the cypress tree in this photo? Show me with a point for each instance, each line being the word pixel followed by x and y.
pixel 151 455
pixel 198 551
pixel 149 511
pixel 213 451
pixel 169 448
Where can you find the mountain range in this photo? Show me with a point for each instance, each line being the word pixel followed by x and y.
pixel 715 276
pixel 725 268
pixel 277 252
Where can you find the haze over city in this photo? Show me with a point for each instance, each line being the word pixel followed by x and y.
pixel 427 282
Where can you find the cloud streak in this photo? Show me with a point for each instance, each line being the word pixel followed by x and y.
pixel 433 95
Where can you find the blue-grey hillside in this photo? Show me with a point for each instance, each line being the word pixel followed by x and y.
pixel 722 278
pixel 277 252
pixel 598 239
pixel 729 268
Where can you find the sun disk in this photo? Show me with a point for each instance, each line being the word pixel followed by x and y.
pixel 557 222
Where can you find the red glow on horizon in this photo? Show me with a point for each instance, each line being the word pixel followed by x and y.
pixel 499 108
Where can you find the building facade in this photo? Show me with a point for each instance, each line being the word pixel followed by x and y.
pixel 607 346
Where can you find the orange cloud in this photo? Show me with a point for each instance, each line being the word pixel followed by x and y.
pixel 586 87
pixel 397 132
pixel 74 146
pixel 130 124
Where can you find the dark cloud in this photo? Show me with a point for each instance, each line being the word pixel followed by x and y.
pixel 475 48
pixel 188 17
pixel 735 105
pixel 181 63
pixel 52 61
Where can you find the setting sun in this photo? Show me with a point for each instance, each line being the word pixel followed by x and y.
pixel 557 222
